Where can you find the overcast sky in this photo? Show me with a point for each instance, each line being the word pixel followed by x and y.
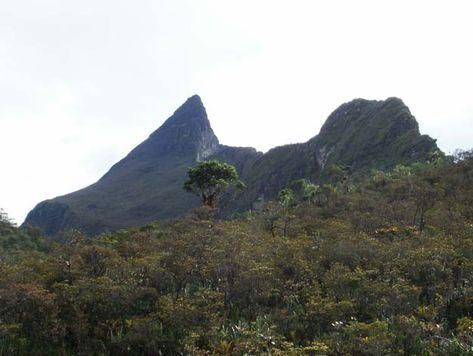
pixel 83 82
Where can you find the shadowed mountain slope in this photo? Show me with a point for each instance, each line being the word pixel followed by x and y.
pixel 147 184
pixel 360 135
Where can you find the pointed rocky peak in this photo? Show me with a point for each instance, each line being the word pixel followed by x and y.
pixel 192 110
pixel 186 133
pixel 192 106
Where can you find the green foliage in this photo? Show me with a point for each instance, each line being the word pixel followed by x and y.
pixel 349 273
pixel 286 198
pixel 209 178
pixel 13 239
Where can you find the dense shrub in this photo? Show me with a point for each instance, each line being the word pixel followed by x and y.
pixel 385 267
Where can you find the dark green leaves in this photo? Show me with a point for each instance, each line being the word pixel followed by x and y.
pixel 209 178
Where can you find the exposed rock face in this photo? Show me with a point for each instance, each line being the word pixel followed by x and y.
pixel 147 184
pixel 322 154
pixel 186 133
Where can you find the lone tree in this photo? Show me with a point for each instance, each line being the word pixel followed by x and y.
pixel 209 178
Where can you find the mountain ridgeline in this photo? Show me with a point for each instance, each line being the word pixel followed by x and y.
pixel 146 185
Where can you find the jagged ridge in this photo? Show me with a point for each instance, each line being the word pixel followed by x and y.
pixel 147 184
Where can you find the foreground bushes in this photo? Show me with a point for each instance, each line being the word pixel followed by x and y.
pixel 350 273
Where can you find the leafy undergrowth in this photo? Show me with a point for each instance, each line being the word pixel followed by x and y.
pixel 380 265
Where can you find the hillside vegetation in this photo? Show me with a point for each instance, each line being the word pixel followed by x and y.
pixel 146 185
pixel 380 264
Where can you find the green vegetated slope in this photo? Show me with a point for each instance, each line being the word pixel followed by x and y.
pixel 147 184
pixel 380 264
pixel 358 136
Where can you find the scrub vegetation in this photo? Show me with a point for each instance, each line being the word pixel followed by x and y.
pixel 374 264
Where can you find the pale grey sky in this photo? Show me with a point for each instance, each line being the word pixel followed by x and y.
pixel 83 82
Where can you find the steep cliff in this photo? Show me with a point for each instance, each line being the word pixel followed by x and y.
pixel 147 184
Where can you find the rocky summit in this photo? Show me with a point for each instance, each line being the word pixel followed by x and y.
pixel 146 185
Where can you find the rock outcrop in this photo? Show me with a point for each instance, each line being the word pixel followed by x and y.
pixel 147 184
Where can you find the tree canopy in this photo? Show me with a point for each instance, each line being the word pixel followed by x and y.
pixel 209 178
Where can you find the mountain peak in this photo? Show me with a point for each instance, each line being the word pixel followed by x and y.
pixel 362 131
pixel 186 133
pixel 146 185
pixel 191 110
pixel 192 107
pixel 373 113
